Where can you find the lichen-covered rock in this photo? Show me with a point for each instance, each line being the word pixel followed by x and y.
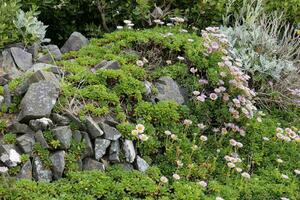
pixel 34 78
pixel 74 119
pixel 93 128
pixel 9 66
pixel 109 120
pixel 108 65
pixel 100 147
pixel 89 151
pixel 64 135
pixel 114 151
pixel 9 155
pixel 168 90
pixel 74 43
pixel 40 66
pixel 53 54
pixel 1 101
pixel 90 164
pixel 22 58
pixel 77 136
pixel 148 87
pixel 110 133
pixel 41 124
pixel 38 101
pixel 34 49
pixel 7 96
pixel 58 163
pixel 39 137
pixel 129 150
pixel 39 172
pixel 60 120
pixel 141 164
pixel 125 166
pixel 26 142
pixel 3 78
pixel 26 171
pixel 19 128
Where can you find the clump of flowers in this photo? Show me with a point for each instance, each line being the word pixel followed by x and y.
pixel 128 24
pixel 240 104
pixel 139 132
pixel 288 134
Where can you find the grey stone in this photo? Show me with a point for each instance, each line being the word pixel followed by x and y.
pixel 34 78
pixel 108 119
pixel 100 65
pixel 89 151
pixel 3 79
pixel 58 163
pixel 26 171
pixel 9 65
pixel 148 87
pixel 38 101
pixel 18 44
pixel 141 164
pixel 34 49
pixel 18 128
pixel 110 132
pixel 39 172
pixel 26 142
pixel 5 150
pixel 64 135
pixel 90 164
pixel 1 101
pixel 74 43
pixel 168 90
pixel 125 166
pixel 109 65
pixel 7 96
pixel 39 137
pixel 114 151
pixel 22 58
pixel 77 136
pixel 129 150
pixel 60 120
pixel 41 124
pixel 74 119
pixel 40 66
pixel 100 147
pixel 57 70
pixel 53 54
pixel 93 128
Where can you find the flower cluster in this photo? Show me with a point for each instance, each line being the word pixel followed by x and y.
pixel 177 20
pixel 231 73
pixel 139 132
pixel 288 134
pixel 141 63
pixel 158 22
pixel 232 160
pixel 128 24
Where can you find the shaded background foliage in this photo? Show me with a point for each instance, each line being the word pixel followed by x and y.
pixel 94 17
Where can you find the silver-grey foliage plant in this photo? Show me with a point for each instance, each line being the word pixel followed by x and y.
pixel 31 29
pixel 264 43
